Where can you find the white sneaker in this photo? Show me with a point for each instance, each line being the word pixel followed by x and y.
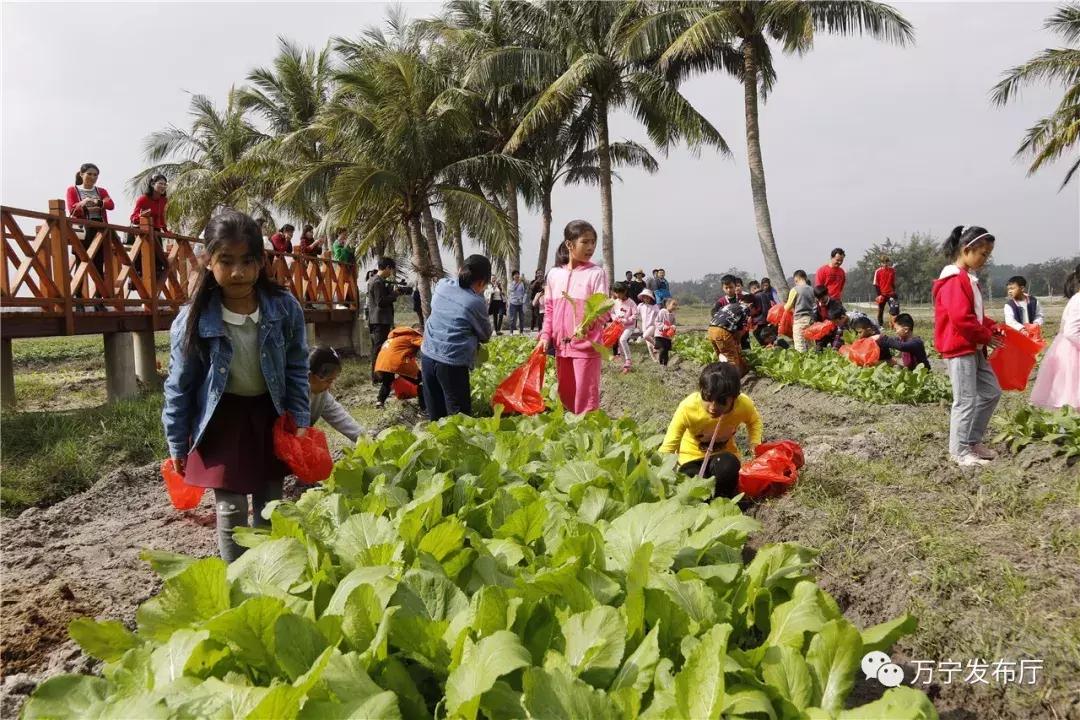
pixel 982 451
pixel 968 459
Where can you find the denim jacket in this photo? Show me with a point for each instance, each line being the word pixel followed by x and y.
pixel 457 325
pixel 196 383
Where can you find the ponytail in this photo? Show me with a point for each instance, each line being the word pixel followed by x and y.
pixel 960 239
pixel 1072 282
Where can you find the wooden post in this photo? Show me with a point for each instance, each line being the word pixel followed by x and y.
pixel 119 367
pixel 7 375
pixel 59 236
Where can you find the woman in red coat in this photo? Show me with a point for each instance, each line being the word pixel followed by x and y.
pixel 86 200
pixel 153 203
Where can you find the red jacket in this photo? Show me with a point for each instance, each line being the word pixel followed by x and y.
pixel 281 243
pixel 833 279
pixel 73 199
pixel 156 206
pixel 885 280
pixel 957 330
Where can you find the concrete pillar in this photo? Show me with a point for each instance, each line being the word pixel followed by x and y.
pixel 146 358
pixel 337 335
pixel 120 381
pixel 361 335
pixel 7 375
pixel 312 336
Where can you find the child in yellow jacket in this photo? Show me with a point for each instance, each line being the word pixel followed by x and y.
pixel 719 406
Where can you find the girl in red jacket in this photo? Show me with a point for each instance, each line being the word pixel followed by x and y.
pixel 152 203
pixel 962 332
pixel 573 279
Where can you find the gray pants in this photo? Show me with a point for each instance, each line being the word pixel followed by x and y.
pixel 232 512
pixel 517 318
pixel 975 396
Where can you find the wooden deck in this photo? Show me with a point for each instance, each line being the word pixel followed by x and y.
pixel 53 284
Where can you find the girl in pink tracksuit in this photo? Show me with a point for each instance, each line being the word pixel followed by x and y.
pixel 573 279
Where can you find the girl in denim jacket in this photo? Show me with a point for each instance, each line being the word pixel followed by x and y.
pixel 238 361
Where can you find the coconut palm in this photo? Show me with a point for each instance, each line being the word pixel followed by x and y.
pixel 392 141
pixel 1056 133
pixel 201 164
pixel 735 37
pixel 582 72
pixel 557 156
pixel 288 96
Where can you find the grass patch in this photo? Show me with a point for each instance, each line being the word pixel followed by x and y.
pixel 43 351
pixel 51 455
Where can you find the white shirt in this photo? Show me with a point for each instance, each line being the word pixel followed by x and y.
pixel 236 318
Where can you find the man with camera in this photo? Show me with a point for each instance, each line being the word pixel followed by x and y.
pixel 382 293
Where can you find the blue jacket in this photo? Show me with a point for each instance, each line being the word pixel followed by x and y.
pixel 196 384
pixel 457 325
pixel 517 293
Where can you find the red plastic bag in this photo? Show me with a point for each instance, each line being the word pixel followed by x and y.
pixel 520 392
pixel 1014 361
pixel 1034 331
pixel 770 473
pixel 404 388
pixel 182 495
pixel 776 315
pixel 864 352
pixel 787 324
pixel 612 332
pixel 792 448
pixel 667 330
pixel 308 457
pixel 819 330
pixel 880 300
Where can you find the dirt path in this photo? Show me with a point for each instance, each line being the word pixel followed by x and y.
pixel 891 516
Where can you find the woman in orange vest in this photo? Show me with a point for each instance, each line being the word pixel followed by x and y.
pixel 397 356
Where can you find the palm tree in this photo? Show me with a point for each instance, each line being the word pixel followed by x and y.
pixel 1056 133
pixel 464 32
pixel 288 96
pixel 557 156
pixel 734 37
pixel 582 72
pixel 392 141
pixel 201 164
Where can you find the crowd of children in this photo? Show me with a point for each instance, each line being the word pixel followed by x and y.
pixel 239 357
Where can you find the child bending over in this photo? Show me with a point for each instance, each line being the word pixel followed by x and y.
pixel 727 328
pixel 324 366
pixel 911 348
pixel 718 407
pixel 397 356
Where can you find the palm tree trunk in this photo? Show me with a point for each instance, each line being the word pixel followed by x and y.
pixel 545 232
pixel 757 172
pixel 604 152
pixel 420 262
pixel 513 258
pixel 434 251
pixel 454 230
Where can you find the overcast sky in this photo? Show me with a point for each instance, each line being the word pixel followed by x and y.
pixel 861 140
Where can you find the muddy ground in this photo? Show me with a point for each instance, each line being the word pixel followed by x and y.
pixel 878 497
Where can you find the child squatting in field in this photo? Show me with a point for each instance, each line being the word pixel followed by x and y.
pixel 324 366
pixel 238 360
pixel 717 409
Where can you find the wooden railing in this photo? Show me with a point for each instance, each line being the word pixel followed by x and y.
pixel 136 275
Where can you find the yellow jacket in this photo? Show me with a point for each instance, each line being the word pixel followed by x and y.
pixel 692 426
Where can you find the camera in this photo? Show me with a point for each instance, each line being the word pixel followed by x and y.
pixel 403 288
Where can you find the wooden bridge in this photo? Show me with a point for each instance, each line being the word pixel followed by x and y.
pixel 131 281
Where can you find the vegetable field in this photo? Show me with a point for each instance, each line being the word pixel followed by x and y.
pixel 558 567
pixel 499 568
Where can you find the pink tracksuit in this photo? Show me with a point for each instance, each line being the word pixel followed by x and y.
pixel 577 364
pixel 625 311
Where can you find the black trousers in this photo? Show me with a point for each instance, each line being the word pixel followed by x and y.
pixel 387 387
pixel 723 468
pixel 446 388
pixel 379 333
pixel 98 260
pixel 663 344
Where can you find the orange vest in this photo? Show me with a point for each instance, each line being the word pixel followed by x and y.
pixel 398 354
